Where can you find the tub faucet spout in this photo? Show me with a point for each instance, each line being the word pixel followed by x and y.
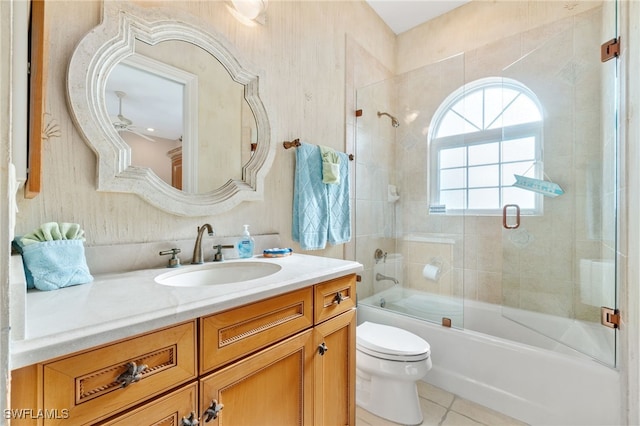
pixel 380 277
pixel 197 248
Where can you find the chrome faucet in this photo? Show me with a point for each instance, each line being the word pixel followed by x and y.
pixel 380 277
pixel 197 248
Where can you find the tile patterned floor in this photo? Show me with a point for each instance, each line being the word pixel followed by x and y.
pixel 441 408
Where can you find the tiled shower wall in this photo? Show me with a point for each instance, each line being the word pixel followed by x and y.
pixel 559 61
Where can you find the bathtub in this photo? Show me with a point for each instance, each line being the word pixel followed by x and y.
pixel 545 384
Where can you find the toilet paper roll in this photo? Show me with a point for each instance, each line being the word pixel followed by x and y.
pixel 431 272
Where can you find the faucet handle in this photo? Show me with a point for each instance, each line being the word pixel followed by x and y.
pixel 218 257
pixel 174 262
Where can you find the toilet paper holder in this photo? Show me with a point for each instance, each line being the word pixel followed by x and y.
pixel 433 270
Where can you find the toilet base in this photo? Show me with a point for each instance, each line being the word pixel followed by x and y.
pixel 390 399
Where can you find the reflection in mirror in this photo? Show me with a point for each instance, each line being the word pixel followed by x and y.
pixel 188 76
pixel 144 99
pixel 150 84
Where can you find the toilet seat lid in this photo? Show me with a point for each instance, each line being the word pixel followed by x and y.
pixel 390 342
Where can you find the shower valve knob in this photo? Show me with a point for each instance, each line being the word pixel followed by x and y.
pixel 322 348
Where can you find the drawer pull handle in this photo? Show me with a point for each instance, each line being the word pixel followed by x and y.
pixel 189 421
pixel 322 348
pixel 132 375
pixel 211 413
pixel 338 298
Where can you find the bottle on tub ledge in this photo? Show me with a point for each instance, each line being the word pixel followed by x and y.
pixel 245 244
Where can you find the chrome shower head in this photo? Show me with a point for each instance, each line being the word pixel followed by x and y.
pixel 394 121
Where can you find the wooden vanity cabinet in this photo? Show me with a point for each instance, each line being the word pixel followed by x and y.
pixel 286 360
pixel 306 379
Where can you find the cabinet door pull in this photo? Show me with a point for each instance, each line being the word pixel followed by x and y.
pixel 211 413
pixel 132 375
pixel 322 348
pixel 190 421
pixel 338 298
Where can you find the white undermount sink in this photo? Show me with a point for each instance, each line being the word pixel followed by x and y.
pixel 212 274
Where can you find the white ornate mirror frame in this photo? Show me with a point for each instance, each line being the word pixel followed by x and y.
pixel 108 44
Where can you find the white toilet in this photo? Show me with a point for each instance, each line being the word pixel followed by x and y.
pixel 389 361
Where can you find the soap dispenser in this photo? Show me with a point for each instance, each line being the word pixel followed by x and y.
pixel 245 244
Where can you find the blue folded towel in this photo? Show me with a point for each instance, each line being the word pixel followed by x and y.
pixel 50 265
pixel 321 212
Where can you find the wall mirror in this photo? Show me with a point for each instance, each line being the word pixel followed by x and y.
pixel 170 110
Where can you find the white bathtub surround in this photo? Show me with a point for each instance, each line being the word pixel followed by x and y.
pixel 537 386
pixel 559 334
pixel 117 305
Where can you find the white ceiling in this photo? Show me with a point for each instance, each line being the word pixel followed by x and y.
pixel 402 15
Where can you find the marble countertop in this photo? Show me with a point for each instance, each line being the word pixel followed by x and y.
pixel 119 305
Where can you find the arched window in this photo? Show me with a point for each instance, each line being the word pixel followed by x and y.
pixel 480 136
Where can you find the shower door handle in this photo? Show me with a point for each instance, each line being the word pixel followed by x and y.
pixel 505 221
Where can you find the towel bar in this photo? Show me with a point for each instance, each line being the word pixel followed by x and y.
pixel 296 143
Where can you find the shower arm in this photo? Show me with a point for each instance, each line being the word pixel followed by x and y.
pixel 394 121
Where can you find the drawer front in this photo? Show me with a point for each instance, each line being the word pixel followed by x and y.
pixel 229 335
pixel 167 410
pixel 86 385
pixel 334 297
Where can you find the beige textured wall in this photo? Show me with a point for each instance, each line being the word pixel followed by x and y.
pixel 302 52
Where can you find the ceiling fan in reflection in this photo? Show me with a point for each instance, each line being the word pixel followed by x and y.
pixel 124 124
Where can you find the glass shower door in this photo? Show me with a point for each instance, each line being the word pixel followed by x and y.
pixel 412 257
pixel 559 259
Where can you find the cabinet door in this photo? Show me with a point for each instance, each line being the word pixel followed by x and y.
pixel 335 367
pixel 167 410
pixel 271 387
